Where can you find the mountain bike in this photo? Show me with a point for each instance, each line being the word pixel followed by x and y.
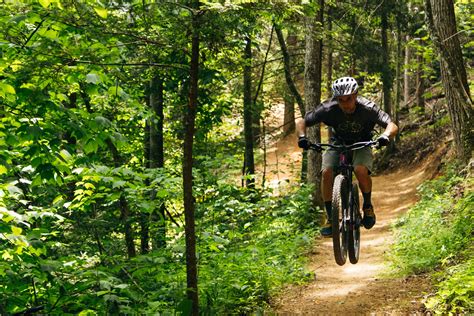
pixel 346 218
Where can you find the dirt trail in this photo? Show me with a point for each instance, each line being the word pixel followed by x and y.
pixel 358 289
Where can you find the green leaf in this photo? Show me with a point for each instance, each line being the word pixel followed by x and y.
pixel 87 312
pixel 16 230
pixel 101 12
pixel 44 3
pixel 6 255
pixel 92 78
pixel 14 190
pixel 119 183
pixel 3 169
pixel 5 89
pixel 65 155
pixel 162 194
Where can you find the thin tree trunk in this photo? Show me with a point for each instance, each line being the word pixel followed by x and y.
pixel 289 113
pixel 125 216
pixel 249 165
pixel 329 61
pixel 189 207
pixel 312 88
pixel 123 204
pixel 441 21
pixel 144 216
pixel 287 66
pixel 386 73
pixel 406 74
pixel 420 85
pixel 157 153
pixel 398 81
pixel 257 110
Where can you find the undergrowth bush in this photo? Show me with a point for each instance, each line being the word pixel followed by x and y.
pixel 255 246
pixel 437 235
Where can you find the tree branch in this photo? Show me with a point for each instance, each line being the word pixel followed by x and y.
pixel 34 32
pixel 263 67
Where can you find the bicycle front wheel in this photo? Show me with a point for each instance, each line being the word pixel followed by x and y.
pixel 354 226
pixel 338 221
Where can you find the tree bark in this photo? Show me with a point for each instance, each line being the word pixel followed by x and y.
pixel 420 85
pixel 441 22
pixel 157 153
pixel 386 72
pixel 289 113
pixel 144 217
pixel 123 204
pixel 312 89
pixel 258 107
pixel 249 164
pixel 189 207
pixel 330 50
pixel 406 74
pixel 287 66
pixel 398 79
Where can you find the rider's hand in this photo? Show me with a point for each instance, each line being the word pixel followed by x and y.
pixel 383 140
pixel 303 142
pixel 317 147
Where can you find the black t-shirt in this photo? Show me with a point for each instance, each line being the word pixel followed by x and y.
pixel 349 128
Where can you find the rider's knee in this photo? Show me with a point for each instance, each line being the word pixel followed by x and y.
pixel 327 173
pixel 361 170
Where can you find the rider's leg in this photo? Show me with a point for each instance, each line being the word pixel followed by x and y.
pixel 362 166
pixel 326 189
pixel 365 183
pixel 330 159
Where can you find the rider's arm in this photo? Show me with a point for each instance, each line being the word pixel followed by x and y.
pixel 391 130
pixel 311 118
pixel 301 128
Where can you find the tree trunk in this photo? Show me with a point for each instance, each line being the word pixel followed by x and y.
pixel 289 114
pixel 406 74
pixel 386 72
pixel 144 216
pixel 189 207
pixel 123 204
pixel 420 85
pixel 398 80
pixel 441 23
pixel 249 164
pixel 287 65
pixel 157 153
pixel 312 88
pixel 258 107
pixel 125 216
pixel 329 62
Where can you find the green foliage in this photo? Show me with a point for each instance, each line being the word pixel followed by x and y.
pixel 252 244
pixel 437 233
pixel 455 291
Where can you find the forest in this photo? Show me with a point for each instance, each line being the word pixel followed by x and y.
pixel 138 141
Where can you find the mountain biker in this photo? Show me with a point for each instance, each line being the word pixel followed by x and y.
pixel 352 119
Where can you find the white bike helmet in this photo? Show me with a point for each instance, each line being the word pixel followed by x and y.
pixel 344 86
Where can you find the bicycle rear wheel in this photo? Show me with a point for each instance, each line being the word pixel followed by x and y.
pixel 338 221
pixel 354 226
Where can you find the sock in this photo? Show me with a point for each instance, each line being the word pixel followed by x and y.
pixel 328 205
pixel 367 199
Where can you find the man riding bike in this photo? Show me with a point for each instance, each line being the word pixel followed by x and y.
pixel 352 119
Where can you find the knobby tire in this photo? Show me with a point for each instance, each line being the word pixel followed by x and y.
pixel 353 247
pixel 339 208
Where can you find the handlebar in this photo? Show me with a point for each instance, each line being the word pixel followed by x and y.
pixel 355 146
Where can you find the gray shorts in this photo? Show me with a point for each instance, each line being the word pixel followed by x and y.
pixel 361 156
